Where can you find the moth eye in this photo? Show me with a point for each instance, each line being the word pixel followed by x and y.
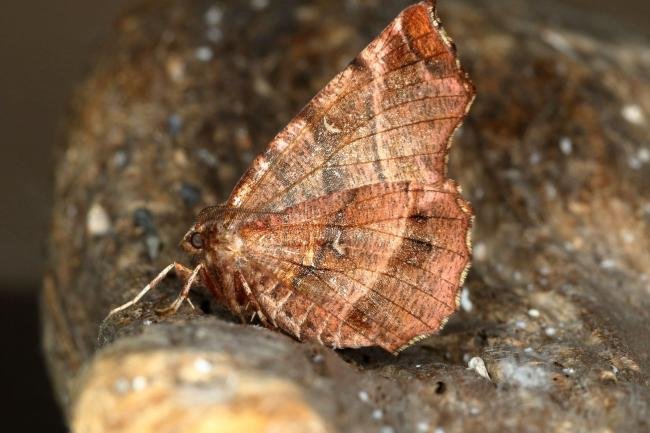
pixel 197 241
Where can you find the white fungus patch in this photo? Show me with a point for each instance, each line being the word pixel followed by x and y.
pixel 98 222
pixel 566 145
pixel 213 16
pixel 203 53
pixel 377 414
pixel 608 263
pixel 550 331
pixel 121 385
pixel 478 365
pixel 521 324
pixel 120 159
pixel 363 396
pixel 636 160
pixel 422 427
pixel 439 430
pixel 633 114
pixel 535 158
pixel 568 371
pixel 643 154
pixel 524 375
pixel 213 19
pixel 139 383
pixel 386 429
pixel 634 163
pixel 154 245
pixel 533 312
pixel 465 301
pixel 203 366
pixel 480 251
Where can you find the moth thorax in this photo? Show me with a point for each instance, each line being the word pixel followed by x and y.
pixel 230 243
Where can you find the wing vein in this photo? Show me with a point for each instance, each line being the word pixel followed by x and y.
pixel 405 43
pixel 365 227
pixel 326 111
pixel 351 304
pixel 304 296
pixel 392 158
pixel 325 215
pixel 348 143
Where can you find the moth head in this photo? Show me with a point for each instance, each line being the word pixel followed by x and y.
pixel 195 240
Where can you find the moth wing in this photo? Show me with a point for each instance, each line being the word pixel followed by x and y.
pixel 387 117
pixel 376 265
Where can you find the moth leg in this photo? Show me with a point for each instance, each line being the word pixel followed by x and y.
pixel 254 301
pixel 223 293
pixel 180 270
pixel 226 293
pixel 214 287
pixel 184 293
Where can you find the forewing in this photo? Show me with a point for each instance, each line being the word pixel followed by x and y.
pixel 376 265
pixel 387 117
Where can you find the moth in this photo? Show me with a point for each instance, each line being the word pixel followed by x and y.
pixel 346 230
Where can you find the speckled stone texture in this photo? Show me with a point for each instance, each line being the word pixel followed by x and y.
pixel 554 156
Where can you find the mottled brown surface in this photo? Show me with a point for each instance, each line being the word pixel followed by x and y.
pixel 554 158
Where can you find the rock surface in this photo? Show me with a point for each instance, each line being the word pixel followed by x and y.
pixel 554 156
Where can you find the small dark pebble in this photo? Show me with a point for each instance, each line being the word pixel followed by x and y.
pixel 175 124
pixel 190 194
pixel 143 218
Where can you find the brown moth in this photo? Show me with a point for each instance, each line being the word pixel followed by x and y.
pixel 346 230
